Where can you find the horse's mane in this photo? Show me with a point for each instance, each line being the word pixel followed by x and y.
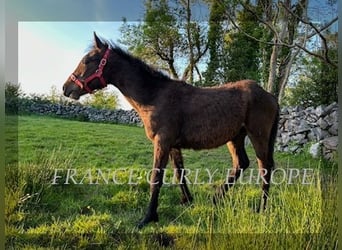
pixel 136 62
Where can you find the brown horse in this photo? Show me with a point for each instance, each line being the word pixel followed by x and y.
pixel 177 115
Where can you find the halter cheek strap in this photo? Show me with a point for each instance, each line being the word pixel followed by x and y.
pixel 97 74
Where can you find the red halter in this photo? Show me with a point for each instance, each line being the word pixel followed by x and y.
pixel 97 74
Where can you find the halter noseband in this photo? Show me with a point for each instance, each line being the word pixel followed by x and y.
pixel 97 74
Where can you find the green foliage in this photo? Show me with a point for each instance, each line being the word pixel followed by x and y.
pixel 12 90
pixel 12 94
pixel 167 38
pixel 55 96
pixel 102 99
pixel 160 22
pixel 212 75
pixel 244 39
pixel 317 86
pixel 157 39
pixel 104 216
pixel 242 53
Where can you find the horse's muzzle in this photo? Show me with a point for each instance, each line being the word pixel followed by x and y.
pixel 71 92
pixel 74 95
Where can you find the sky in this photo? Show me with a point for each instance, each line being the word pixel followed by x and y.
pixel 54 35
pixel 48 52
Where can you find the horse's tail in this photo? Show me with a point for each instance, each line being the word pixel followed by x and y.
pixel 273 136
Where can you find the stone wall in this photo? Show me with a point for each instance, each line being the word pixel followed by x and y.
pixel 316 126
pixel 298 127
pixel 84 113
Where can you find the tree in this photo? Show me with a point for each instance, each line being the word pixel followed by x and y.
pixel 157 39
pixel 290 28
pixel 195 43
pixel 166 36
pixel 242 53
pixel 259 39
pixel 213 73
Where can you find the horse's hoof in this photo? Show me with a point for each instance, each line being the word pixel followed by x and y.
pixel 148 219
pixel 141 224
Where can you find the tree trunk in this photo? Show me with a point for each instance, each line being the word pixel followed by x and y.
pixel 190 72
pixel 273 84
pixel 273 69
pixel 284 80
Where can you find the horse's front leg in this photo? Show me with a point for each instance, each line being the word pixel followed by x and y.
pixel 161 153
pixel 176 159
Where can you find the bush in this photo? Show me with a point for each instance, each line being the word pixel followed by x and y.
pixel 12 94
pixel 102 100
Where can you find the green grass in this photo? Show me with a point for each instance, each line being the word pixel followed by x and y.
pixel 103 216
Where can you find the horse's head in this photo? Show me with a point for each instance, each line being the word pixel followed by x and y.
pixel 88 76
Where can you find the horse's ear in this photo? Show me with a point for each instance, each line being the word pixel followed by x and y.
pixel 97 42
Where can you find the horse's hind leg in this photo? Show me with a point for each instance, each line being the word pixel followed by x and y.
pixel 265 162
pixel 240 161
pixel 177 163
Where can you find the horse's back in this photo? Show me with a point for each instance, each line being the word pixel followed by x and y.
pixel 258 98
pixel 212 116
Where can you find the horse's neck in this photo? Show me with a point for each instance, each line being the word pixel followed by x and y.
pixel 135 93
pixel 139 89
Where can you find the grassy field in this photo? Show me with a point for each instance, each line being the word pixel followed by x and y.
pixel 100 211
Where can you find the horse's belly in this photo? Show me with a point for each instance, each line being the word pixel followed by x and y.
pixel 198 144
pixel 208 138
